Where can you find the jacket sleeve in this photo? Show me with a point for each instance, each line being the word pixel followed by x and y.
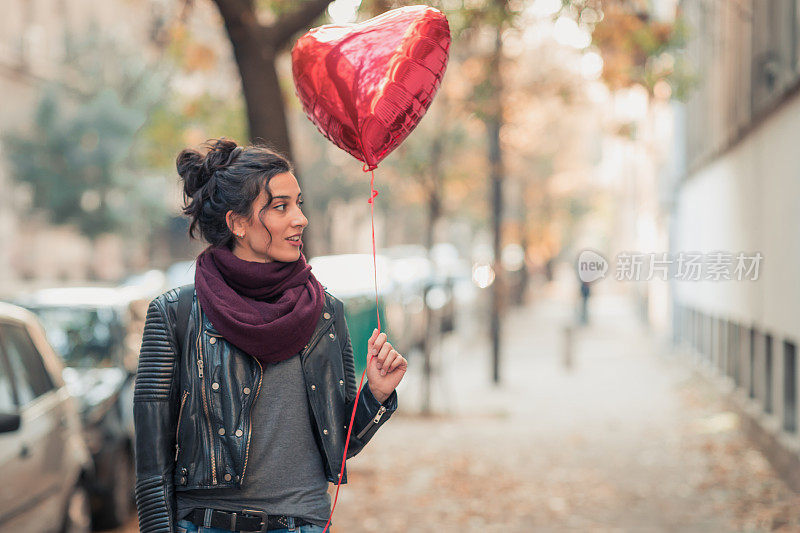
pixel 370 413
pixel 154 412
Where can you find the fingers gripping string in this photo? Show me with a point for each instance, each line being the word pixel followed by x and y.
pixel 373 195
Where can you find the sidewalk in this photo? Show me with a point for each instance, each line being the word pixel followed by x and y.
pixel 630 440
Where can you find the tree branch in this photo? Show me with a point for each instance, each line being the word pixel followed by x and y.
pixel 285 27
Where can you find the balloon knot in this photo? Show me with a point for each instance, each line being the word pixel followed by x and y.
pixel 374 195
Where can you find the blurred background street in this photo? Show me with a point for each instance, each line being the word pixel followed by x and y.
pixel 586 250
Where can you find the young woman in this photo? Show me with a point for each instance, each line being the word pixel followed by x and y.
pixel 242 412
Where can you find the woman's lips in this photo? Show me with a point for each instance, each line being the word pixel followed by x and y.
pixel 298 242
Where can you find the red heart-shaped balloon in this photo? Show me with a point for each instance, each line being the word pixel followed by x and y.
pixel 366 86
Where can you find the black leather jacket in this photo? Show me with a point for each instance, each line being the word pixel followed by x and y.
pixel 192 410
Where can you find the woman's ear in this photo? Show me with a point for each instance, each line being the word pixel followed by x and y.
pixel 234 222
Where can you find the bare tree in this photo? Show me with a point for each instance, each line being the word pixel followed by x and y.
pixel 256 47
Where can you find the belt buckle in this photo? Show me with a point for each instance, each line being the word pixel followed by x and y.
pixel 264 518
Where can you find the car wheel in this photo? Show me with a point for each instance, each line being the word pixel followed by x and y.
pixel 118 501
pixel 78 513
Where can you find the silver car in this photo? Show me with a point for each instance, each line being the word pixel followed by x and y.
pixel 43 456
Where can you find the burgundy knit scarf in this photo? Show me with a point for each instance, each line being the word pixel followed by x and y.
pixel 268 310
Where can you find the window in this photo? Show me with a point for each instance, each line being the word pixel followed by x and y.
pixel 789 387
pixel 6 390
pixel 700 323
pixel 768 373
pixel 734 352
pixel 31 377
pixel 721 338
pixel 84 337
pixel 713 341
pixel 751 384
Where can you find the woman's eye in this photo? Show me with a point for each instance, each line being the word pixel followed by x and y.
pixel 300 203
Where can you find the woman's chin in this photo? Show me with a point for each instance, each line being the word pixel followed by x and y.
pixel 289 257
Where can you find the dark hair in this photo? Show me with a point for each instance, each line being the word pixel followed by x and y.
pixel 228 177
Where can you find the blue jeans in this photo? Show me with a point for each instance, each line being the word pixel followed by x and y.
pixel 184 526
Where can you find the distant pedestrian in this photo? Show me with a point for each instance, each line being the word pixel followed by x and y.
pixel 586 292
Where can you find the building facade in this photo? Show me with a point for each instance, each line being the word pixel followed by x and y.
pixel 737 196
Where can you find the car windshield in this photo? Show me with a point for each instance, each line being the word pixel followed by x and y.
pixel 84 337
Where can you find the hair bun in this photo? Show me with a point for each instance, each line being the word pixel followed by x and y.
pixel 190 169
pixel 222 152
pixel 197 170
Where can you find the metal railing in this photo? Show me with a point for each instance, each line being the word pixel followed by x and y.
pixel 759 363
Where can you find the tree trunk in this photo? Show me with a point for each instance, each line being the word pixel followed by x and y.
pixel 255 56
pixel 434 214
pixel 256 48
pixel 493 124
pixel 266 111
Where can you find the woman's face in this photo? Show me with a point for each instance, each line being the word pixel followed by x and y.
pixel 283 218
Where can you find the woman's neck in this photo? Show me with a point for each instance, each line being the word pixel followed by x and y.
pixel 248 254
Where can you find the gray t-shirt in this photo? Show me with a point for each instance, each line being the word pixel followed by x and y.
pixel 285 473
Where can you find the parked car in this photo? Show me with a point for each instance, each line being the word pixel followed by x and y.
pixel 43 457
pixel 91 329
pixel 421 281
pixel 146 285
pixel 453 271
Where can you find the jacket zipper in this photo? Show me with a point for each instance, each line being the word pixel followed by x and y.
pixel 372 422
pixel 315 339
pixel 250 420
pixel 205 405
pixel 178 426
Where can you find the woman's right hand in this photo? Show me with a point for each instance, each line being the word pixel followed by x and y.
pixel 385 366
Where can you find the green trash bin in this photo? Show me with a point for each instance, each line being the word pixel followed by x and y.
pixel 351 278
pixel 361 321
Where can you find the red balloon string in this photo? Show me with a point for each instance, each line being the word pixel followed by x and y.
pixel 373 195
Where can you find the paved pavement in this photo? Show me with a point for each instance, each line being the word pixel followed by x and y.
pixel 631 439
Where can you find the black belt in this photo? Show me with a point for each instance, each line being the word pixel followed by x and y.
pixel 246 520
